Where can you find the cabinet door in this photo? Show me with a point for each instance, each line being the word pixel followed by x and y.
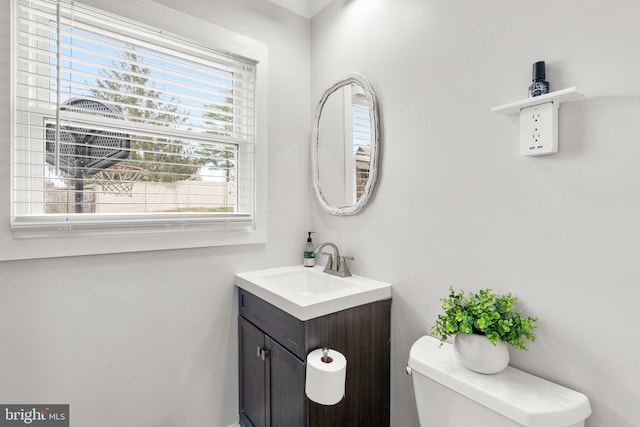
pixel 253 400
pixel 285 385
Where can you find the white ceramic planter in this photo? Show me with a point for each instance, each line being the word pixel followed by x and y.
pixel 476 352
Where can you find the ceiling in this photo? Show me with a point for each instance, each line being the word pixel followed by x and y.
pixel 306 8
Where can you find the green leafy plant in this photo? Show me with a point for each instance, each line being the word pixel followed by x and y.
pixel 484 313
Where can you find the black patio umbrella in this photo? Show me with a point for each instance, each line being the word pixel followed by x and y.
pixel 84 152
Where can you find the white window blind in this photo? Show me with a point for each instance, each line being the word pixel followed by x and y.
pixel 362 137
pixel 119 124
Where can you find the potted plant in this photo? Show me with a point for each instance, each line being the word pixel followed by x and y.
pixel 483 324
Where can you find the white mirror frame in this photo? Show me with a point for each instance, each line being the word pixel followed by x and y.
pixel 353 78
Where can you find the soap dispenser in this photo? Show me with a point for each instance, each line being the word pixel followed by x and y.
pixel 309 254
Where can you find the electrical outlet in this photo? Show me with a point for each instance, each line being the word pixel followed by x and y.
pixel 539 129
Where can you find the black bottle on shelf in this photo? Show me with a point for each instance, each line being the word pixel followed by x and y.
pixel 539 86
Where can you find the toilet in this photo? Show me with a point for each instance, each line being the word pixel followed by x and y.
pixel 450 395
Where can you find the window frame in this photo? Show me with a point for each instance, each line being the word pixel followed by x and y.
pixel 24 243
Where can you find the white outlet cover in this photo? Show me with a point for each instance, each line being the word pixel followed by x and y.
pixel 539 129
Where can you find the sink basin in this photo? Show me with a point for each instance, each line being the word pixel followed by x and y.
pixel 306 292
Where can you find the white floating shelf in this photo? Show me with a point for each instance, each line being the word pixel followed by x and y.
pixel 558 96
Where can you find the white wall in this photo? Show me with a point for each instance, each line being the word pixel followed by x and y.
pixel 457 204
pixel 149 338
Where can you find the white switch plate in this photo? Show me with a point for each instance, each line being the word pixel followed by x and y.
pixel 539 129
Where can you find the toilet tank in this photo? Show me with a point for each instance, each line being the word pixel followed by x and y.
pixel 450 395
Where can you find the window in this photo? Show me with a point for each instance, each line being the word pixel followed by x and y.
pixel 120 126
pixel 361 122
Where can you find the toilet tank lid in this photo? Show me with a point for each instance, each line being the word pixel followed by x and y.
pixel 522 397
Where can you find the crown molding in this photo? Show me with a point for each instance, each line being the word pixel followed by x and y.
pixel 316 6
pixel 306 8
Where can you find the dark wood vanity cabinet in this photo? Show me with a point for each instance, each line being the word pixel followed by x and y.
pixel 272 374
pixel 273 346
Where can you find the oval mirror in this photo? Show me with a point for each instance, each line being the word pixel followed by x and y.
pixel 345 145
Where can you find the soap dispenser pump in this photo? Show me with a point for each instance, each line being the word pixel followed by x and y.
pixel 309 252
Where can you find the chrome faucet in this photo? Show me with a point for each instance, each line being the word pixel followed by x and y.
pixel 336 264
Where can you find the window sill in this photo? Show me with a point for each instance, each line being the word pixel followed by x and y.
pixel 30 243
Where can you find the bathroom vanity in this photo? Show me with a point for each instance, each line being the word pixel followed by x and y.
pixel 274 344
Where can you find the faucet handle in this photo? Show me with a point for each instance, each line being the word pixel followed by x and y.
pixel 343 268
pixel 329 260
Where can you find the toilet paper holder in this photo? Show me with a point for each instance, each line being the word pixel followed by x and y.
pixel 325 355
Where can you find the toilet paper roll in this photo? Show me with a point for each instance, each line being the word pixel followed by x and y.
pixel 325 381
